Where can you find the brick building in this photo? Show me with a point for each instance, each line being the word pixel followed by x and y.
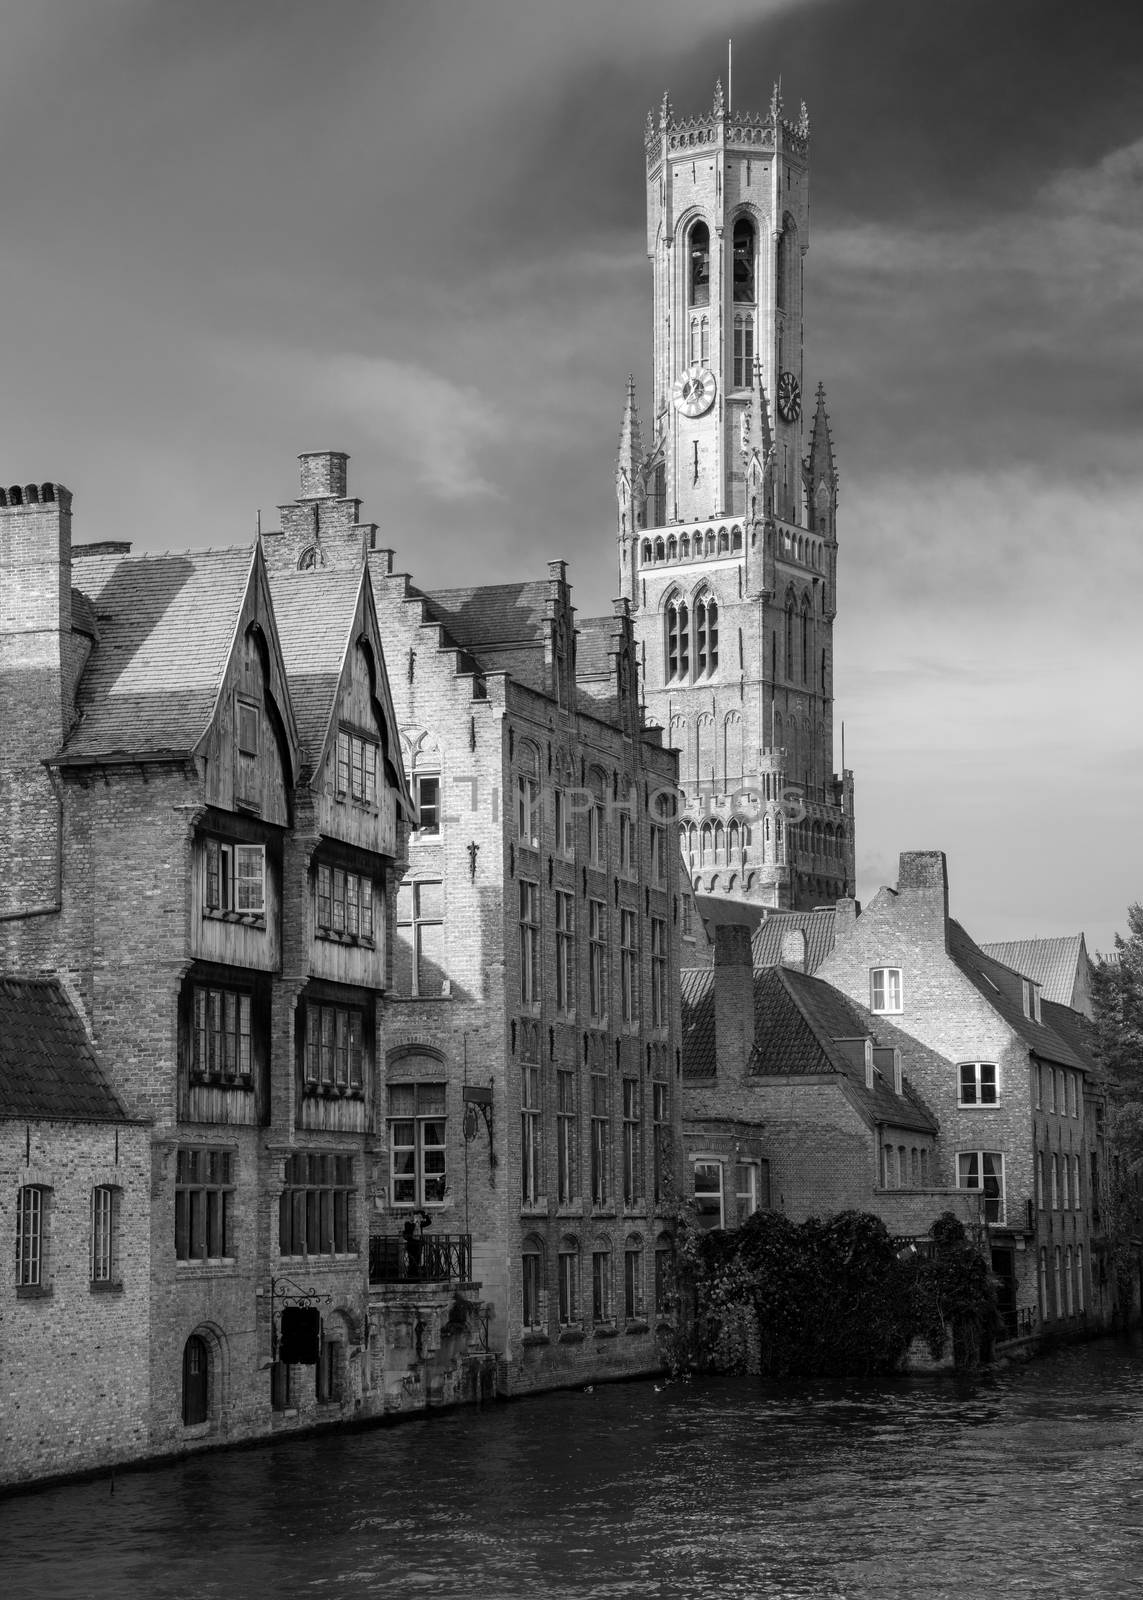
pixel 206 850
pixel 795 1098
pixel 1008 1090
pixel 532 1041
pixel 727 515
pixel 75 1201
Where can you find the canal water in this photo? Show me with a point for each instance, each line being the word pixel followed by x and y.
pixel 1028 1483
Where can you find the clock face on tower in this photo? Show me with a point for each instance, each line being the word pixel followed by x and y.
pixel 789 397
pixel 694 391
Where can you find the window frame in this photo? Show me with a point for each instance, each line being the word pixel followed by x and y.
pixel 317 1207
pixel 998 1201
pixel 33 1203
pixel 358 767
pixel 229 885
pixel 565 952
pixel 601 1197
pixel 530 973
pixel 708 1164
pixel 531 1136
pixel 567 1131
pixel 431 807
pixel 972 1097
pixel 413 927
pixel 632 1125
pixel 103 1256
pixel 429 1178
pixel 210 1221
pixel 886 1008
pixel 334 1048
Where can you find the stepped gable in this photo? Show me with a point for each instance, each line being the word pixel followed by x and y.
pixel 166 626
pixel 995 982
pixel 1052 963
pixel 48 1068
pixel 595 639
pixel 315 612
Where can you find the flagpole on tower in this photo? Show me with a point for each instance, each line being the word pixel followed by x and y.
pixel 729 75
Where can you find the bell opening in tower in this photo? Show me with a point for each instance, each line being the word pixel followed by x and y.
pixel 743 262
pixel 700 265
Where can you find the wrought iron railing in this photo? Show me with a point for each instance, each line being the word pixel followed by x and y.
pixel 429 1257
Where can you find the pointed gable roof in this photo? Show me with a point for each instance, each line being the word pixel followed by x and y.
pixel 817 926
pixel 1001 987
pixel 166 632
pixel 48 1067
pixel 1052 963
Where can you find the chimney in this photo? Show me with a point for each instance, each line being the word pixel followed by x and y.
pixel 35 686
pixel 733 1000
pixel 793 952
pixel 323 475
pixel 923 894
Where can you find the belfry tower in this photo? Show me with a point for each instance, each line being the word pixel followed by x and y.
pixel 727 513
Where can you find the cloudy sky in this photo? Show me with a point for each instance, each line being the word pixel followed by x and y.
pixel 234 230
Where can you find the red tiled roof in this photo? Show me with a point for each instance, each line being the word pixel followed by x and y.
pixel 47 1065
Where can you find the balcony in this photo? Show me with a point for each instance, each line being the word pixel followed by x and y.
pixel 429 1258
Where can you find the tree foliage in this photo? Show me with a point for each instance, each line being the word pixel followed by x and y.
pixel 1118 994
pixel 832 1296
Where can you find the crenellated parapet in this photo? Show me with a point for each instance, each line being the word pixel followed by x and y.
pixel 724 128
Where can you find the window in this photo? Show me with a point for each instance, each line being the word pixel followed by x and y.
pixel 1073 1086
pixel 420 928
pixel 688 918
pixel 978 1083
pixel 1079 1280
pixel 601 1285
pixel 660 992
pixel 743 264
pixel 528 810
pixel 743 351
pixel 235 877
pixel 706 637
pixel 626 842
pixel 31 1236
pixel 1031 1000
pixel 658 853
pixel 222 1039
pixel 566 1171
pixel 196 1381
pixel 633 1307
pixel 597 959
pixel 1069 1282
pixel 335 1052
pixel 529 943
pixel 1051 1088
pixel 357 767
pixel 678 641
pixel 885 989
pixel 316 1212
pixel 204 1195
pixel 746 1187
pixel 632 1143
pixel 1058 1269
pixel 983 1170
pixel 534 1295
pixel 569 1282
pixel 596 836
pixel 698 274
pixel 708 1194
pixel 628 965
pixel 1055 1182
pixel 600 1141
pixel 565 824
pixel 427 794
pixel 247 719
pixel 565 951
pixel 1039 1180
pixel 531 1143
pixel 1076 1200
pixel 343 903
pixel 328 1372
pixel 417 1174
pixel 661 1134
pixel 105 1234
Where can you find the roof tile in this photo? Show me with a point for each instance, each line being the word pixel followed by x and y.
pixel 47 1065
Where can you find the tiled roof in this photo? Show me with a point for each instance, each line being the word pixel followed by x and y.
pixel 314 611
pixel 47 1065
pixel 797 1021
pixel 818 927
pixel 717 911
pixel 594 638
pixel 492 614
pixel 1000 986
pixel 166 628
pixel 1052 963
pixel 1075 1030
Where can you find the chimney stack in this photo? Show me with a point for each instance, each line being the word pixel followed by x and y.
pixel 733 1000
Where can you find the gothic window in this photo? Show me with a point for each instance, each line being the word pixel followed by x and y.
pixel 646 549
pixel 744 262
pixel 660 550
pixel 672 548
pixel 743 350
pixel 723 541
pixel 736 539
pixel 678 640
pixel 805 641
pixel 706 636
pixel 698 265
pixel 685 546
pixel 790 637
pixel 786 274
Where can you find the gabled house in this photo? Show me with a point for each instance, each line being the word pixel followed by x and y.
pixel 1008 1089
pixel 796 1099
pixel 180 817
pixel 528 1139
pixel 1062 968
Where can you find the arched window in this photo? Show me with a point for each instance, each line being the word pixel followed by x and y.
pixel 660 549
pixel 533 1283
pixel 678 641
pixel 719 844
pixel 646 549
pixel 698 265
pixel 805 641
pixel 744 262
pixel 790 613
pixel 786 271
pixel 633 1287
pixel 672 548
pixel 704 844
pixel 569 1280
pixel 196 1381
pixel 706 636
pixel 743 350
pixel 601 1308
pixel 723 541
pixel 685 546
pixel 710 541
pixel 736 539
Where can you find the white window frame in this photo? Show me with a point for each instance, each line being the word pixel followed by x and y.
pixel 976 1181
pixel 31 1235
pixel 891 1004
pixel 431 808
pixel 529 814
pixel 430 1188
pixel 104 1234
pixel 240 874
pixel 710 1164
pixel 973 1095
pixel 746 1193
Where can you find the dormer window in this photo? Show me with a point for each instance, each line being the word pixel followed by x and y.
pixel 357 767
pixel 235 877
pixel 1032 1001
pixel 698 262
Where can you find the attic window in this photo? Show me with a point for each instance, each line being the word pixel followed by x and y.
pixel 357 767
pixel 247 726
pixel 1032 1000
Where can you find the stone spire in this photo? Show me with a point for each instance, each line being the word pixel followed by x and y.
pixel 628 473
pixel 820 467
